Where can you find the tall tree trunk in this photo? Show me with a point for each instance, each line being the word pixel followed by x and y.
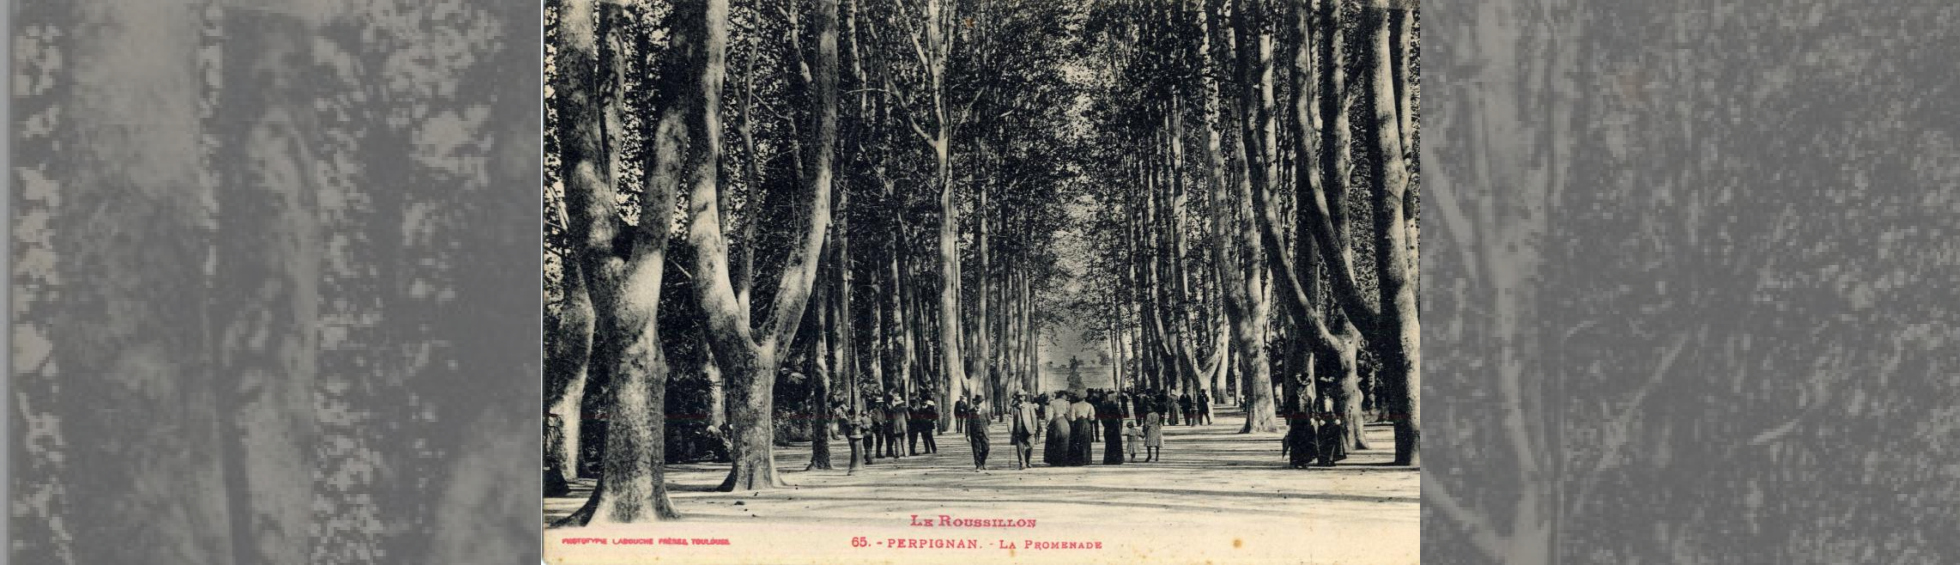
pixel 1221 324
pixel 819 378
pixel 1026 364
pixel 904 323
pixel 1234 298
pixel 983 360
pixel 1187 343
pixel 101 223
pixel 1030 336
pixel 920 346
pixel 842 322
pixel 874 312
pixel 570 357
pixel 845 334
pixel 752 421
pixel 1254 114
pixel 1406 86
pixel 880 343
pixel 952 361
pixel 750 359
pixel 717 390
pixel 1144 345
pixel 567 360
pixel 264 347
pixel 1399 327
pixel 744 247
pixel 1115 336
pixel 1321 157
pixel 1163 228
pixel 938 49
pixel 900 330
pixel 1403 21
pixel 624 283
pixel 1151 236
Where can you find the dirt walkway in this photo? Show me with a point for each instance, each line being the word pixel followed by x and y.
pixel 1216 494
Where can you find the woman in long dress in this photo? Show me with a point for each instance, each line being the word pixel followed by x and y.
pixel 1153 434
pixel 1301 444
pixel 1111 417
pixel 1082 421
pixel 1055 452
pixel 1332 437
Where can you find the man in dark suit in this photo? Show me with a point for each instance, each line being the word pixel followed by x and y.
pixel 1184 406
pixel 976 435
pixel 926 423
pixel 959 414
pixel 880 422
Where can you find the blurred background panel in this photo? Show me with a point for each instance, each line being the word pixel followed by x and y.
pixel 274 282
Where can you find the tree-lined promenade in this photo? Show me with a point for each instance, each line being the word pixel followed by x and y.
pixel 828 207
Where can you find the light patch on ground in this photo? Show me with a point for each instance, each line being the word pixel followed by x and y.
pixel 1216 495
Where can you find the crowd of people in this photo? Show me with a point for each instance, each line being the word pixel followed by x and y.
pixel 890 427
pixel 1066 423
pixel 1315 432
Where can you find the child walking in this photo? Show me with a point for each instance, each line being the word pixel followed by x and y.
pixel 1131 437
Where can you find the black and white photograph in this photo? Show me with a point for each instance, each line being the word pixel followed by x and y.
pixel 981 281
pixel 967 279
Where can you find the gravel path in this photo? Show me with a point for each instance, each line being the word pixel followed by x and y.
pixel 1216 495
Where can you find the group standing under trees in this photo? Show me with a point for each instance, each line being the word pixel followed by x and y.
pixel 1235 140
pixel 908 180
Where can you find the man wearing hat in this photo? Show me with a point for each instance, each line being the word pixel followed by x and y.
pixel 1024 424
pixel 976 434
pixel 896 425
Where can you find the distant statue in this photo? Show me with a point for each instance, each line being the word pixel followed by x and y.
pixel 1074 373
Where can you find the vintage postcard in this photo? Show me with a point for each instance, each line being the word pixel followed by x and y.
pixel 968 281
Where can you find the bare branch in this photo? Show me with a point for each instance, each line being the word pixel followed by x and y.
pixel 1436 495
pixel 1615 439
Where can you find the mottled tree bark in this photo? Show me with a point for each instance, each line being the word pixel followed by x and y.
pixel 567 359
pixel 749 355
pixel 717 390
pixel 981 334
pixel 1254 116
pixel 819 374
pixel 1399 333
pixel 1322 160
pixel 845 335
pixel 40 457
pixel 1498 213
pixel 1227 236
pixel 623 280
